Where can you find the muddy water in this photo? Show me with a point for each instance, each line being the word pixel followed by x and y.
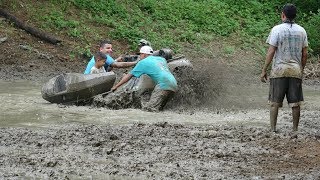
pixel 21 105
pixel 40 140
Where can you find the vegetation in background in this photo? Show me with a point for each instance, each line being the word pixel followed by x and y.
pixel 312 27
pixel 169 23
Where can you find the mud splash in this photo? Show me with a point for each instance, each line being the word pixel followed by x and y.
pixel 138 90
pixel 196 90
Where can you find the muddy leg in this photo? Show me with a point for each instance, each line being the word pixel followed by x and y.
pixel 273 117
pixel 295 117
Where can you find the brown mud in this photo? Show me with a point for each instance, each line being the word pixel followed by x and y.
pixel 233 142
pixel 161 151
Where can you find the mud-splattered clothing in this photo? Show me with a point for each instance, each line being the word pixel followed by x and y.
pixel 157 68
pixel 285 86
pixel 289 39
pixel 166 85
pixel 158 99
pixel 95 70
pixel 91 63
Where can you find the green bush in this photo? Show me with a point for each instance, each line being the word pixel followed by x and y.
pixel 57 20
pixel 173 24
pixel 312 27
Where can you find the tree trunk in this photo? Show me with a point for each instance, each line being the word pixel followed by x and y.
pixel 33 31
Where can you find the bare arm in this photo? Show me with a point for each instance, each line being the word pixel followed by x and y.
pixel 125 79
pixel 304 57
pixel 269 57
pixel 123 64
pixel 119 59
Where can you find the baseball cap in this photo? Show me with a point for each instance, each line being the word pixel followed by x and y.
pixel 146 50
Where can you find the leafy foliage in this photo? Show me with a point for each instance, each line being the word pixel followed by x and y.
pixel 173 24
pixel 57 21
pixel 312 27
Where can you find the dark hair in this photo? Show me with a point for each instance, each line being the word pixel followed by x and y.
pixel 99 55
pixel 290 11
pixel 104 42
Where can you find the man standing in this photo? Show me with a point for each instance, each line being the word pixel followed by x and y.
pixel 106 48
pixel 288 54
pixel 157 69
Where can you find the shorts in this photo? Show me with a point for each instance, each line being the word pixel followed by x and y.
pixel 285 86
pixel 158 99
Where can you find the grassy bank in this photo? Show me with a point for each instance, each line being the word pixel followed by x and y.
pixel 166 23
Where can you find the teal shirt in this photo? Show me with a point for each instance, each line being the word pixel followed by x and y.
pixel 157 68
pixel 91 63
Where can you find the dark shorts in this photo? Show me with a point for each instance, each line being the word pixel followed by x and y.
pixel 286 86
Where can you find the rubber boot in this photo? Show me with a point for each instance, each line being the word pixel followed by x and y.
pixel 273 117
pixel 295 117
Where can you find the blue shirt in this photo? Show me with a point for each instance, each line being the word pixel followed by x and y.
pixel 157 68
pixel 91 63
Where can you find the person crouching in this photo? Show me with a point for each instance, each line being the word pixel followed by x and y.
pixel 156 68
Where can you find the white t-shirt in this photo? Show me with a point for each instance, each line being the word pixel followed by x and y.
pixel 289 39
pixel 95 70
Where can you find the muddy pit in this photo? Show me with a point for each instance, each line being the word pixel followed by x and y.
pixel 216 127
pixel 227 138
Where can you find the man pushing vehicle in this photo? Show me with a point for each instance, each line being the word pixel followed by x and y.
pixel 156 68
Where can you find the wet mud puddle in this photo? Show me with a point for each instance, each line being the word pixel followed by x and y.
pixel 21 104
pixel 40 140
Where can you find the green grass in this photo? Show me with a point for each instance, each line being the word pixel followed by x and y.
pixel 167 23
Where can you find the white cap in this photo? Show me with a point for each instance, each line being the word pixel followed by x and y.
pixel 146 50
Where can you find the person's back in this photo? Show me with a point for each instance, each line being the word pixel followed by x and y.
pixel 289 40
pixel 288 53
pixel 156 67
